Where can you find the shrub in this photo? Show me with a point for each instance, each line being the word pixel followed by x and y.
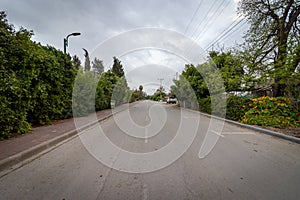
pixel 237 107
pixel 205 105
pixel 275 112
pixel 35 81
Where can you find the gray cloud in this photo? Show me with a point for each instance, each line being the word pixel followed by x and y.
pixel 99 20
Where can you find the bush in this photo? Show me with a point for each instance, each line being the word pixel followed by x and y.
pixel 92 93
pixel 35 81
pixel 205 105
pixel 275 112
pixel 84 94
pixel 236 107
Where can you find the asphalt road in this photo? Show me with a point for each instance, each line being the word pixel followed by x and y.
pixel 146 160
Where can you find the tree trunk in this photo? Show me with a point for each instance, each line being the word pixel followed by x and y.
pixel 278 89
pixel 280 60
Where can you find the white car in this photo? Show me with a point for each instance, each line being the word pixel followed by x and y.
pixel 172 100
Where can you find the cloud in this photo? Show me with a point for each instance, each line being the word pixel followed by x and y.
pixel 99 20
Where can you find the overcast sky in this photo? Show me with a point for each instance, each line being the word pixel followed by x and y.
pixel 100 21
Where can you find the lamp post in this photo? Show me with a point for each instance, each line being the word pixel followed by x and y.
pixel 66 40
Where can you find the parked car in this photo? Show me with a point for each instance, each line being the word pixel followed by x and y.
pixel 171 100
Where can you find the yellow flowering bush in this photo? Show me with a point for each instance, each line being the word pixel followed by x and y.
pixel 275 112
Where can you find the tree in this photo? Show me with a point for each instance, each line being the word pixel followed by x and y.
pixel 231 69
pixel 97 64
pixel 158 95
pixel 87 62
pixel 36 82
pixel 141 90
pixel 117 68
pixel 272 42
pixel 76 62
pixel 195 79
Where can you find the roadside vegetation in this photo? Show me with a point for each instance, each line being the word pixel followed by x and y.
pixel 262 76
pixel 37 82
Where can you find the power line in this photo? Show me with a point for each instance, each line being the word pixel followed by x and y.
pixel 206 15
pixel 238 28
pixel 223 32
pixel 226 33
pixel 229 32
pixel 194 15
pixel 214 17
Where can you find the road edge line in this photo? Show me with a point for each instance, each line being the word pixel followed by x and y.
pixel 22 156
pixel 258 129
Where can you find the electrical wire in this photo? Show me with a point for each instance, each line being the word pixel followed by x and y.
pixel 216 15
pixel 227 32
pixel 206 15
pixel 194 15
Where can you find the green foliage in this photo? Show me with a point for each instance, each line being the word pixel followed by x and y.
pixel 230 68
pixel 96 92
pixel 35 81
pixel 141 88
pixel 51 87
pixel 236 107
pixel 158 95
pixel 293 89
pixel 84 94
pixel 272 48
pixel 275 112
pixel 76 62
pixel 190 88
pixel 120 92
pixel 117 68
pixel 87 63
pixel 138 94
pixel 201 88
pixel 98 66
pixel 192 77
pixel 205 105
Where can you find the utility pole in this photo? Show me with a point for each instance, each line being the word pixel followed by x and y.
pixel 160 86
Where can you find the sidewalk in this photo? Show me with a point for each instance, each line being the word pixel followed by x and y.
pixel 20 148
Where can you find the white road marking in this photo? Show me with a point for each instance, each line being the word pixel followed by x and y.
pixel 219 134
pixel 232 133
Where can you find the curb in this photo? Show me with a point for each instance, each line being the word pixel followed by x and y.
pixel 28 153
pixel 258 129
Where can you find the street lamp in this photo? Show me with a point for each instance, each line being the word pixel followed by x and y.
pixel 66 40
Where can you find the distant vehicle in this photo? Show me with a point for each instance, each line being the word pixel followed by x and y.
pixel 171 100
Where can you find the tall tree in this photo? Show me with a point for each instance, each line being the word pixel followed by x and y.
pixel 117 68
pixel 272 42
pixel 141 94
pixel 87 62
pixel 97 64
pixel 141 88
pixel 76 62
pixel 231 69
